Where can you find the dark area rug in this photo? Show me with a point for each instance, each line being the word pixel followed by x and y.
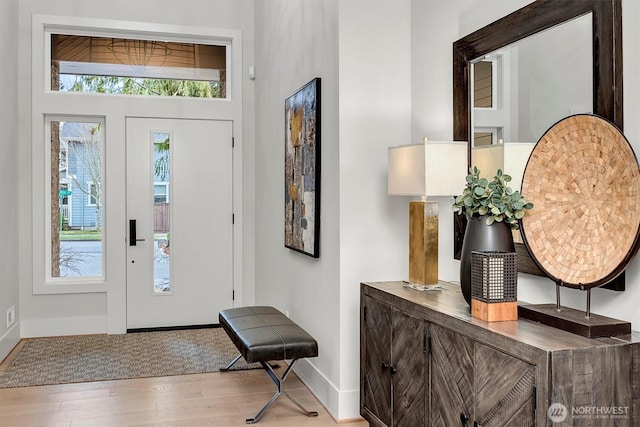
pixel 85 358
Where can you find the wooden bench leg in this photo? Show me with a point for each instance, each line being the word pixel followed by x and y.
pixel 279 382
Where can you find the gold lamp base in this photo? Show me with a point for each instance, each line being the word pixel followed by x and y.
pixel 423 243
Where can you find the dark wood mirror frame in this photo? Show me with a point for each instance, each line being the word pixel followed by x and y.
pixel 531 19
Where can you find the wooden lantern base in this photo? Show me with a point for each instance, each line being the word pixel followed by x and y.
pixel 494 312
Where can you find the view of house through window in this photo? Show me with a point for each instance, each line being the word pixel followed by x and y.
pixel 137 67
pixel 76 199
pixel 161 210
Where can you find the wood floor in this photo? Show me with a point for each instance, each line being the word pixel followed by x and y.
pixel 215 399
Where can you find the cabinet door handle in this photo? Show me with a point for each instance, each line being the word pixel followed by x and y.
pixel 385 366
pixel 393 370
pixel 464 418
pixel 476 424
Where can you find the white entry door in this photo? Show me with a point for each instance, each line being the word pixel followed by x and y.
pixel 180 230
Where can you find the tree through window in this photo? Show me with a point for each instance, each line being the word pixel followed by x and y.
pixel 138 67
pixel 76 198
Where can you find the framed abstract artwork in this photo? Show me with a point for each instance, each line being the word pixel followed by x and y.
pixel 302 170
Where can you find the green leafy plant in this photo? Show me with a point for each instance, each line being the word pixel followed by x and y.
pixel 492 198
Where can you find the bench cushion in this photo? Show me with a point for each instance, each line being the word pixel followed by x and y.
pixel 263 333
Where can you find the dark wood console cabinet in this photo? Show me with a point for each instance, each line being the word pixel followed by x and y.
pixel 396 365
pixel 425 361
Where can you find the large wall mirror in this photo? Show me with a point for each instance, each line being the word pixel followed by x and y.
pixel 517 76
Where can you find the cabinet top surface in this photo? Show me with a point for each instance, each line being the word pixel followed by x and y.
pixel 447 306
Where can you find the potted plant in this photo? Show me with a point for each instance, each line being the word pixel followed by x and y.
pixel 492 210
pixel 493 199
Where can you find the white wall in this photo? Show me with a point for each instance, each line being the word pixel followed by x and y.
pixel 375 113
pixel 360 50
pixel 435 26
pixel 85 313
pixel 296 42
pixel 9 173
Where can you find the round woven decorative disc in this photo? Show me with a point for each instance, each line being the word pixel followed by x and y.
pixel 583 179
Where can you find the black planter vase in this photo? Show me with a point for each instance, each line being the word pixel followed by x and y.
pixel 481 237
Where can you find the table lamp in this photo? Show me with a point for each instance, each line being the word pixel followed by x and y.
pixel 433 168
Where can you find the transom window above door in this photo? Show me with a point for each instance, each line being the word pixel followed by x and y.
pixel 137 67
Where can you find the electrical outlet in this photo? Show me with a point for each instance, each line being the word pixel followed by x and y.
pixel 11 316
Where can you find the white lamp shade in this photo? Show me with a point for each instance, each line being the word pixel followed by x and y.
pixel 433 168
pixel 511 157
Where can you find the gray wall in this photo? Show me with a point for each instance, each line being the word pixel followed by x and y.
pixel 9 172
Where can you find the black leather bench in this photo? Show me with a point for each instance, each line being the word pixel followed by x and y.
pixel 262 334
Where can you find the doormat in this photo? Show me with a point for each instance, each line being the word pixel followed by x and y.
pixel 86 358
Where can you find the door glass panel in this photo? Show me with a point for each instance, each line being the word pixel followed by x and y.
pixel 161 213
pixel 76 199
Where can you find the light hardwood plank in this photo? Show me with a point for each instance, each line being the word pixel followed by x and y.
pixel 214 399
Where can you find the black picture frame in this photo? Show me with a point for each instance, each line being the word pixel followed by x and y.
pixel 302 170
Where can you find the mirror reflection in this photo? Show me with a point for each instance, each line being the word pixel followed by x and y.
pixel 521 90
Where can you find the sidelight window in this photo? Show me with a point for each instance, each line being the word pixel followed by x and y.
pixel 76 203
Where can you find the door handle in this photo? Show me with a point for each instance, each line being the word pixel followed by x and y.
pixel 132 233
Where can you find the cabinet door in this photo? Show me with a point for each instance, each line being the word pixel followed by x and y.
pixel 504 389
pixel 377 358
pixel 473 384
pixel 451 378
pixel 409 369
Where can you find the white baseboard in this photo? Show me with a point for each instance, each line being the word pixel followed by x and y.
pixel 32 328
pixel 9 340
pixel 341 404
